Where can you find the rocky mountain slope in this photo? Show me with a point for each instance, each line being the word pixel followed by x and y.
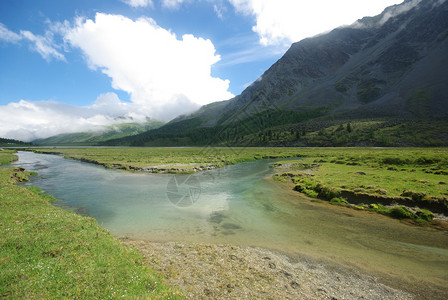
pixel 391 68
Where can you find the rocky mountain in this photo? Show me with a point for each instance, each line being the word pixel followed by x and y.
pixel 381 72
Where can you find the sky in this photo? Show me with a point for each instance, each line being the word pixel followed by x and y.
pixel 71 66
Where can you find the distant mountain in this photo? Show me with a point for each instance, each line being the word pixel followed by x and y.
pixel 386 76
pixel 94 137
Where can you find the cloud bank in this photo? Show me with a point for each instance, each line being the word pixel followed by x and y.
pixel 157 69
pixel 165 76
pixel 286 21
pixel 30 120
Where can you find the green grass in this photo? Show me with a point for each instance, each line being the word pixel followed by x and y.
pixel 415 176
pixel 7 156
pixel 382 180
pixel 171 160
pixel 50 253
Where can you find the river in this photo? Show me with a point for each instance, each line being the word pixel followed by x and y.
pixel 242 205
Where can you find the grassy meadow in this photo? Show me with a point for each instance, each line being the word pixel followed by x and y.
pixel 391 181
pixel 49 253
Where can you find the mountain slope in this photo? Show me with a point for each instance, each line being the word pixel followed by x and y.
pixel 392 67
pixel 94 137
pixel 12 143
pixel 368 67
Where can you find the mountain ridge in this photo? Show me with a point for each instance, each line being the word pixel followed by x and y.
pixel 389 68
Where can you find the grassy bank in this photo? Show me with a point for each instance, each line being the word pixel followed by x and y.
pixel 405 183
pixel 47 252
pixel 170 160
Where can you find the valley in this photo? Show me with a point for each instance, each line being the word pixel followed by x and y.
pixel 240 205
pixel 218 161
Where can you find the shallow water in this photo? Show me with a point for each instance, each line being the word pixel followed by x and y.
pixel 241 205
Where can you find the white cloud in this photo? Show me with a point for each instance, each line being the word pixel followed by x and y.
pixel 398 10
pixel 7 35
pixel 219 10
pixel 286 21
pixel 138 3
pixel 150 63
pixel 30 120
pixel 173 3
pixel 44 45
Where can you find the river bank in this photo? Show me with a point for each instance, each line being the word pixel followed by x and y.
pixel 211 271
pixel 50 253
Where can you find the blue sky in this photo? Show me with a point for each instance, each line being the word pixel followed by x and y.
pixel 68 66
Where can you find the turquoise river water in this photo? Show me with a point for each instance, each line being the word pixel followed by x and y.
pixel 242 205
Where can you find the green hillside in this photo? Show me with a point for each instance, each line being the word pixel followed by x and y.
pixel 12 143
pixel 94 137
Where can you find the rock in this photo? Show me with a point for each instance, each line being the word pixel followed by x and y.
pixel 207 292
pixel 233 257
pixel 322 290
pixel 286 273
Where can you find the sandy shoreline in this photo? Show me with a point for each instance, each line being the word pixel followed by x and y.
pixel 209 271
